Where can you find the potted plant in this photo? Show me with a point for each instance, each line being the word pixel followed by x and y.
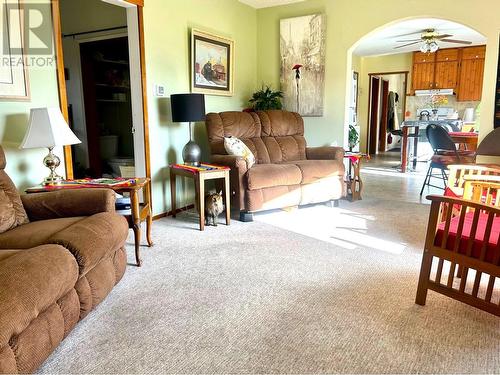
pixel 353 137
pixel 266 98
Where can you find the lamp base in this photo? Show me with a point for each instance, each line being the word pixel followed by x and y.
pixel 52 180
pixel 191 154
pixel 52 161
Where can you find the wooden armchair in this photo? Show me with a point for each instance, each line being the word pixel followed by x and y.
pixel 464 234
pixel 459 173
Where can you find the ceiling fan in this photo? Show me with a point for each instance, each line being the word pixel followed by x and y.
pixel 429 39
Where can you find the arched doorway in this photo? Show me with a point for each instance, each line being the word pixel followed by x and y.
pixel 390 50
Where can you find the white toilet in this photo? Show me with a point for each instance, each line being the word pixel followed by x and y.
pixel 108 146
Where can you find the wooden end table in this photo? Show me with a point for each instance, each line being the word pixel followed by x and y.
pixel 139 211
pixel 200 174
pixel 354 182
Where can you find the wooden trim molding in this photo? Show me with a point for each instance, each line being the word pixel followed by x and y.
pixel 61 80
pixel 142 51
pixel 139 3
pixel 170 213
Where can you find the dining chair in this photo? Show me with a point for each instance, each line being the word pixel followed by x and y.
pixel 445 153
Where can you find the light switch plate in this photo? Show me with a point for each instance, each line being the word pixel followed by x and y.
pixel 160 91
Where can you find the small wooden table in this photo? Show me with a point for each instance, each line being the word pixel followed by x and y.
pixel 200 175
pixel 354 182
pixel 139 211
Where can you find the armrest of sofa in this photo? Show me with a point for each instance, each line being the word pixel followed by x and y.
pixel 32 280
pixel 231 161
pixel 325 153
pixel 238 167
pixel 68 203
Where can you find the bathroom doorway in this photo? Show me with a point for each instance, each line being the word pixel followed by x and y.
pixel 109 149
pixel 103 76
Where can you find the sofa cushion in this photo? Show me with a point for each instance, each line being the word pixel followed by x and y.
pixel 234 146
pixel 279 123
pixel 7 213
pixel 93 238
pixel 315 170
pixel 32 280
pixel 492 249
pixel 35 233
pixel 261 176
pixel 10 203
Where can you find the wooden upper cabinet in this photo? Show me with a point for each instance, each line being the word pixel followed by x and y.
pixel 420 57
pixel 448 54
pixel 472 53
pixel 471 74
pixel 423 76
pixel 460 69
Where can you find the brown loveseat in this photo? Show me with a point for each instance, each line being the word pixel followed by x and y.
pixel 287 172
pixel 63 255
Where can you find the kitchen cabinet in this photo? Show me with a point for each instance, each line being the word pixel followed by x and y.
pixel 460 69
pixel 446 73
pixel 435 70
pixel 471 74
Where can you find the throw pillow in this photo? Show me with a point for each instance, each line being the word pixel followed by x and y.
pixel 7 213
pixel 235 146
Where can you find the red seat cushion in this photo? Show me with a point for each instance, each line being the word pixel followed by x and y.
pixel 492 248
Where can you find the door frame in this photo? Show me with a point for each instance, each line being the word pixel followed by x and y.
pixel 380 76
pixel 61 80
pixel 373 114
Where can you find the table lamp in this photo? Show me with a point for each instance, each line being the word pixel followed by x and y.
pixel 48 128
pixel 189 108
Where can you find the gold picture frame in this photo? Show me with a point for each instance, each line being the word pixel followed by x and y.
pixel 14 79
pixel 212 64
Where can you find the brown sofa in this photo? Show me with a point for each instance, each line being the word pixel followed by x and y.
pixel 287 172
pixel 63 255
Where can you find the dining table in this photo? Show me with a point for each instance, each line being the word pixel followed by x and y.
pixel 466 140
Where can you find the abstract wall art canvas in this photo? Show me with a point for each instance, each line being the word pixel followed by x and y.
pixel 211 64
pixel 302 49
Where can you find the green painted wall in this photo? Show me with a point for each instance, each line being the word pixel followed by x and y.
pixel 350 20
pixel 167 25
pixel 25 166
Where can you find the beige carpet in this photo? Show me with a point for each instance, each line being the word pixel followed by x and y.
pixel 318 290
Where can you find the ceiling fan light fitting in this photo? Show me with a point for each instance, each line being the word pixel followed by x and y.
pixel 433 47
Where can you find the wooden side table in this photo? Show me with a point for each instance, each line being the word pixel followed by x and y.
pixel 139 211
pixel 200 175
pixel 354 182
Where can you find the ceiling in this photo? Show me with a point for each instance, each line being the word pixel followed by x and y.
pixel 384 41
pixel 268 3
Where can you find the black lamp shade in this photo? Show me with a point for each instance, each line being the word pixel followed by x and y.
pixel 187 107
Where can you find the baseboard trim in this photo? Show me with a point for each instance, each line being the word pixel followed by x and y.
pixel 170 213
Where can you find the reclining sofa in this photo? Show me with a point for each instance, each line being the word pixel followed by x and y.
pixel 286 173
pixel 61 253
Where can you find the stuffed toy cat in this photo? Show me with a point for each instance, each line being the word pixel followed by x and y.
pixel 213 208
pixel 235 146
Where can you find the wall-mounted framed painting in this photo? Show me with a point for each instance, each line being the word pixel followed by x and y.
pixel 302 50
pixel 14 83
pixel 212 64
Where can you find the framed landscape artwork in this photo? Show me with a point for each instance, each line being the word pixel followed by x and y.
pixel 302 76
pixel 211 64
pixel 14 83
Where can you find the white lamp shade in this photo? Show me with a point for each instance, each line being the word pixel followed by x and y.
pixel 47 128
